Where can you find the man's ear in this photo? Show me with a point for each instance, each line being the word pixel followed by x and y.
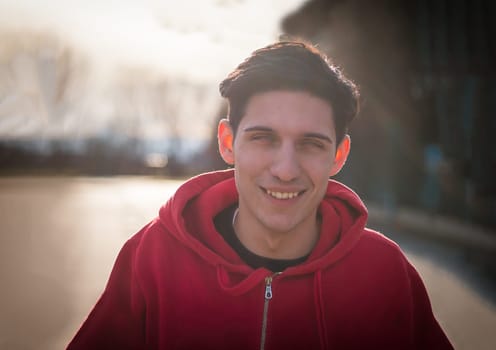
pixel 225 138
pixel 342 153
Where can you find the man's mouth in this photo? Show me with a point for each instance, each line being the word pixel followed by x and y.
pixel 283 195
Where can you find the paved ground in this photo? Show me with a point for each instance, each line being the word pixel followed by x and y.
pixel 59 238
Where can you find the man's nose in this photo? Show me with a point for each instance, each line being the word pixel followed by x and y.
pixel 285 165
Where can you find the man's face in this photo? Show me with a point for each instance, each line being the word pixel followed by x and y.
pixel 284 153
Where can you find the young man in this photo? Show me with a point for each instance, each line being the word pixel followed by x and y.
pixel 271 254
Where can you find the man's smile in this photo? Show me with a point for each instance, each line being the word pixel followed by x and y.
pixel 283 194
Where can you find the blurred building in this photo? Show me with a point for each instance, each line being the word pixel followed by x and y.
pixel 426 72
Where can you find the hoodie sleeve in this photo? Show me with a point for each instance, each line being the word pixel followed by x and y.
pixel 427 331
pixel 117 319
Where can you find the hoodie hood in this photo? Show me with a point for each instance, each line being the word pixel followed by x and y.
pixel 189 214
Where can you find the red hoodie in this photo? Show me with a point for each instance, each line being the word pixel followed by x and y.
pixel 177 284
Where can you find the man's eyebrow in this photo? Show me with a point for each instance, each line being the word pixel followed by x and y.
pixel 307 134
pixel 258 128
pixel 318 136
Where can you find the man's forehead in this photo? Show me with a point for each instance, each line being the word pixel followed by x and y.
pixel 288 105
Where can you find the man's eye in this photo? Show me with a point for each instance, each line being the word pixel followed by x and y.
pixel 261 137
pixel 313 144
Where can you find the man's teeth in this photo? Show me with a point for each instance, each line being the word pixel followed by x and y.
pixel 282 195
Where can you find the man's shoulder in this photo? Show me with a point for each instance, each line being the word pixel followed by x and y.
pixel 378 243
pixel 377 255
pixel 152 234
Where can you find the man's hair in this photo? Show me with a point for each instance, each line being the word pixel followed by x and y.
pixel 294 66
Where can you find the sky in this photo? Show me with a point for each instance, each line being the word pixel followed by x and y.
pixel 196 39
pixel 193 41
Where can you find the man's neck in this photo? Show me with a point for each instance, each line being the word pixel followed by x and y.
pixel 276 245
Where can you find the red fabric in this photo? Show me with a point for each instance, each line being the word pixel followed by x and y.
pixel 177 285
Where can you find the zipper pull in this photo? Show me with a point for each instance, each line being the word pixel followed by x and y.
pixel 268 288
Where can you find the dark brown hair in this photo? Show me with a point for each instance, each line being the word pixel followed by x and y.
pixel 296 66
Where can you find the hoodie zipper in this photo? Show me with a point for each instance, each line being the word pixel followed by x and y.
pixel 267 296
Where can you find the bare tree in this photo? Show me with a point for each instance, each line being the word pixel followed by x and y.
pixel 40 84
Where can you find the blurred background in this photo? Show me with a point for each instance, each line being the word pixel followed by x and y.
pixel 107 106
